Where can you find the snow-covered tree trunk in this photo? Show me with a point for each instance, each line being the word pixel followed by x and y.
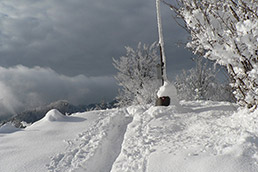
pixel 226 31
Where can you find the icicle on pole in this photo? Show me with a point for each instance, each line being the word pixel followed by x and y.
pixel 161 44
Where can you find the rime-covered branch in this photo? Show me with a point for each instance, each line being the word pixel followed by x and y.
pixel 226 32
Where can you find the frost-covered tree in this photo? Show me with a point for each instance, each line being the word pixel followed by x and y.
pixel 201 83
pixel 226 31
pixel 137 75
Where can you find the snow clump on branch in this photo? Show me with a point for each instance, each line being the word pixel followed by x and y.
pixel 226 32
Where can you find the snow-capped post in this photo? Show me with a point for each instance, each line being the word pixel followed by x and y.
pixel 161 45
pixel 163 99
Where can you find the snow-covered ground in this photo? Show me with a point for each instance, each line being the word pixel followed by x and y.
pixel 195 137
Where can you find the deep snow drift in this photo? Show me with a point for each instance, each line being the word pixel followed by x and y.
pixel 195 137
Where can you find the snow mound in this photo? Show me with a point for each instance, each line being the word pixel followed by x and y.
pixel 168 89
pixel 54 115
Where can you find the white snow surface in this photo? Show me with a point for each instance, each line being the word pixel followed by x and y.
pixel 168 89
pixel 200 136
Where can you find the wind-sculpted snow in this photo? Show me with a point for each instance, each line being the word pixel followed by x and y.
pixel 54 115
pixel 199 136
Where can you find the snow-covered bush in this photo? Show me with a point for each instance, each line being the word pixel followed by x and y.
pixel 226 31
pixel 137 75
pixel 201 83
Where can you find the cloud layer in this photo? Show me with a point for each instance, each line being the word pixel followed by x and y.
pixel 80 36
pixel 73 42
pixel 23 87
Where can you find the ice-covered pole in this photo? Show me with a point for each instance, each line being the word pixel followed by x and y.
pixel 161 44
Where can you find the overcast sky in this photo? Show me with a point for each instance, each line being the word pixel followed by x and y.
pixel 63 49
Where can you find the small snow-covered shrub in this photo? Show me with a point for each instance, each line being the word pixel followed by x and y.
pixel 137 75
pixel 201 83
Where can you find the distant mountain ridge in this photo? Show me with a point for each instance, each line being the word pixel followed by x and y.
pixel 33 115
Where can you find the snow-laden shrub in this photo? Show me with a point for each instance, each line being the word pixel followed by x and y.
pixel 201 83
pixel 226 31
pixel 137 75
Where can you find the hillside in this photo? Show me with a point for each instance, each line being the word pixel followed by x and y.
pixel 199 136
pixel 32 115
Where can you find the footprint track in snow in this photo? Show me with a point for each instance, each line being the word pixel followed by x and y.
pixel 93 146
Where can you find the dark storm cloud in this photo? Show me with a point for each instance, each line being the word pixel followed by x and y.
pixel 79 36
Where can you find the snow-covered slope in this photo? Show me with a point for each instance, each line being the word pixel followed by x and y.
pixel 195 137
